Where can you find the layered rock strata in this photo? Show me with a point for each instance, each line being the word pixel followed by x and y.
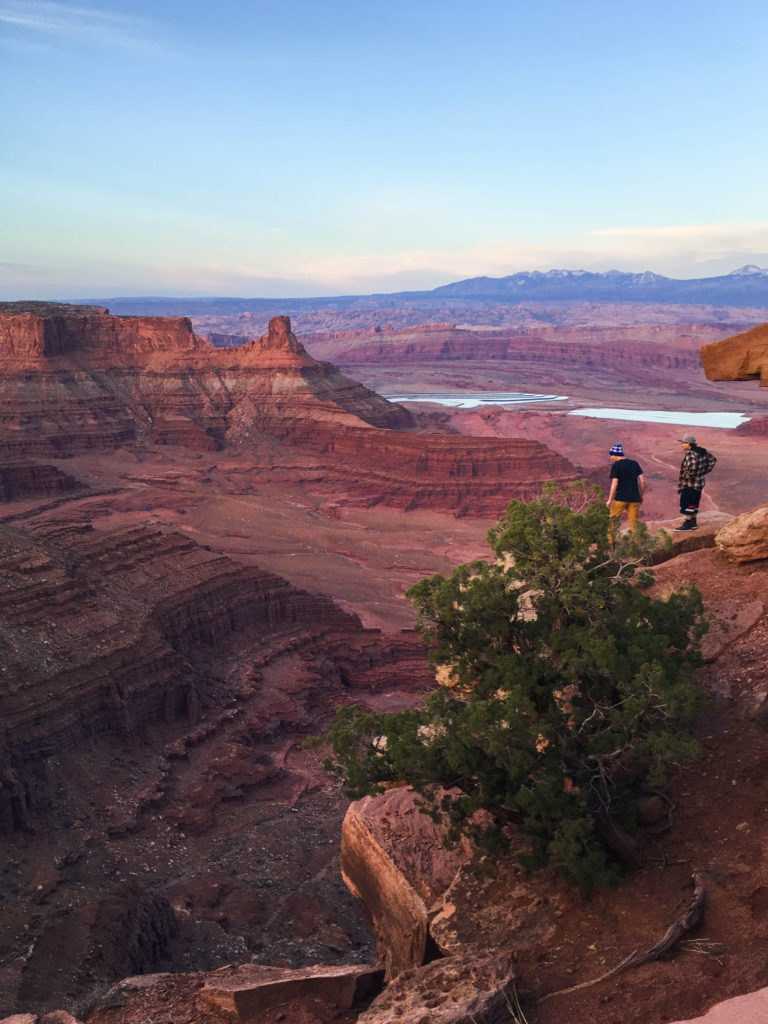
pixel 97 629
pixel 74 384
pixel 154 699
pixel 24 480
pixel 477 476
pixel 642 352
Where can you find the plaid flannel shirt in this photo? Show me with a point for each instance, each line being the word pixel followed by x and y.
pixel 691 471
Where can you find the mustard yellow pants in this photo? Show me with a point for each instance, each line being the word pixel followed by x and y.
pixel 633 513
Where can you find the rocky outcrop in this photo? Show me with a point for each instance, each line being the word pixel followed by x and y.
pixel 424 900
pixel 106 341
pixel 458 990
pixel 23 480
pixel 742 357
pixel 477 476
pixel 247 993
pixel 451 991
pixel 393 860
pixel 436 930
pixel 251 993
pixel 745 538
pixel 86 936
pixel 756 427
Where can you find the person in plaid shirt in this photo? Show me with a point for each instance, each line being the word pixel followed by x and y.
pixel 697 462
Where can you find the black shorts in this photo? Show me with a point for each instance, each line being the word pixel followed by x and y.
pixel 689 501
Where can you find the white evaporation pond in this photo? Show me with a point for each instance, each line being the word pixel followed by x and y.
pixel 726 420
pixel 472 401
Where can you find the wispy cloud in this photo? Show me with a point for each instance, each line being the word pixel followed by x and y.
pixel 702 241
pixel 680 250
pixel 65 22
pixel 26 268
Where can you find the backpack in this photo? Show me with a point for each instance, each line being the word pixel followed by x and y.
pixel 707 460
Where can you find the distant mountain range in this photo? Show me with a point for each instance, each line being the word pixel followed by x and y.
pixel 745 287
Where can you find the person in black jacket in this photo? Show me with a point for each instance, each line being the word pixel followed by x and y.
pixel 627 488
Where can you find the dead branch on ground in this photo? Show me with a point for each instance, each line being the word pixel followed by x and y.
pixel 692 916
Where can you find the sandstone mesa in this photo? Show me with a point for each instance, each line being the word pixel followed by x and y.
pixel 72 384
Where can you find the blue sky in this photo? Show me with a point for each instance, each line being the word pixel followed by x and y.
pixel 308 147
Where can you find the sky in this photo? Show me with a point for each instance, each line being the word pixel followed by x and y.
pixel 325 147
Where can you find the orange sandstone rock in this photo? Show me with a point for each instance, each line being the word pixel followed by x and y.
pixel 245 993
pixel 745 538
pixel 457 990
pixel 742 357
pixel 748 1009
pixel 393 860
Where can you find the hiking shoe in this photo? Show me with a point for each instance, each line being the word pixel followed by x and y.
pixel 689 524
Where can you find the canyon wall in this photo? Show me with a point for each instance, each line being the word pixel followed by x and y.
pixel 638 348
pixel 74 384
pixel 154 699
pixel 106 631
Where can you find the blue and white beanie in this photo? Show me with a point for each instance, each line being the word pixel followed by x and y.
pixel 617 450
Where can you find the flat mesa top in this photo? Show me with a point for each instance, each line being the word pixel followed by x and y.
pixel 30 306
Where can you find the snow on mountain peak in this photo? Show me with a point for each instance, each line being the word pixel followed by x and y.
pixel 750 270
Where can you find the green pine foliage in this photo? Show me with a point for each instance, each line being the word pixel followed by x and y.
pixel 565 688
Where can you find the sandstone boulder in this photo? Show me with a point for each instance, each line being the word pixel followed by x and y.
pixel 248 992
pixel 394 861
pixel 502 912
pixel 457 990
pixel 742 357
pixel 749 1009
pixel 745 538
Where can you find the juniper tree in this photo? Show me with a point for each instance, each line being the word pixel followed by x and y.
pixel 563 687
